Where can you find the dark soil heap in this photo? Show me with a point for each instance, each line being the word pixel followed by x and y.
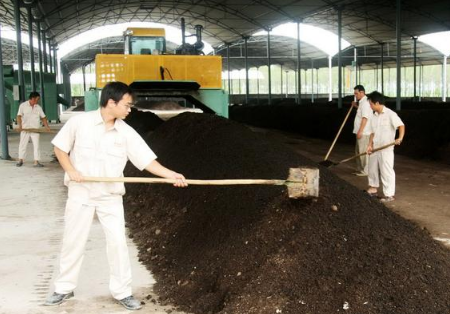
pixel 251 249
pixel 143 122
pixel 427 127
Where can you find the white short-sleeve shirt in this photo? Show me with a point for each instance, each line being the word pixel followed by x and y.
pixel 97 152
pixel 384 126
pixel 364 111
pixel 31 115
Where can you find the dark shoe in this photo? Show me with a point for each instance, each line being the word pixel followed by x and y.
pixel 371 194
pixel 58 298
pixel 130 303
pixel 38 165
pixel 19 164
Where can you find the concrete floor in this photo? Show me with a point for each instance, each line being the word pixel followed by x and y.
pixel 32 204
pixel 31 225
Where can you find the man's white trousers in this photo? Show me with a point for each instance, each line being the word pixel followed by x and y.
pixel 78 220
pixel 381 166
pixel 362 162
pixel 24 138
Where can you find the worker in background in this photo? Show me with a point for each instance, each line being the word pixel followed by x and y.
pixel 98 144
pixel 383 128
pixel 29 116
pixel 361 130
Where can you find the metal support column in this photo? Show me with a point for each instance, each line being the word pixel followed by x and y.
pixel 287 84
pixel 239 83
pixel 312 81
pixel 295 82
pixel 257 82
pixel 41 70
pixel 55 62
pixel 269 70
pixel 3 128
pixel 66 83
pixel 19 50
pixel 382 68
pixel 398 25
pixel 228 69
pixel 444 80
pixel 376 77
pixel 330 79
pixel 339 57
pixel 30 33
pixel 83 70
pixel 50 57
pixel 317 83
pixel 299 80
pixel 281 80
pixel 415 67
pixel 421 82
pixel 355 65
pixel 44 44
pixel 247 84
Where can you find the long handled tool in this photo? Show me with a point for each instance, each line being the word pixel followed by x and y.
pixel 33 130
pixel 301 183
pixel 338 133
pixel 329 163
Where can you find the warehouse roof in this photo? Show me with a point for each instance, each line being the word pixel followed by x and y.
pixel 364 23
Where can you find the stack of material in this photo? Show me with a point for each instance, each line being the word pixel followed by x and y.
pixel 251 249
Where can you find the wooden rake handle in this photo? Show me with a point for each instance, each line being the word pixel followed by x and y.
pixel 365 153
pixel 188 181
pixel 338 133
pixel 37 130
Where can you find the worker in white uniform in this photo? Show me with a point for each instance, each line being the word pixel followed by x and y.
pixel 383 128
pixel 29 116
pixel 361 130
pixel 98 144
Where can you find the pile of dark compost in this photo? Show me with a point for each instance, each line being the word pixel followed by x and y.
pixel 251 249
pixel 427 129
pixel 143 122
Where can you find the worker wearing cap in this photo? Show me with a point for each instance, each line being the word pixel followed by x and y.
pixel 361 130
pixel 29 116
pixel 383 128
pixel 98 144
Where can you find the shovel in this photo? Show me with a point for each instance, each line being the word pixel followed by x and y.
pixel 329 163
pixel 301 183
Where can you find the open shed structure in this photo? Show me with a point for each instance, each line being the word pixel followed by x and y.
pixel 374 29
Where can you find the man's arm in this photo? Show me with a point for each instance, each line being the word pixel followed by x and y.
pixel 19 122
pixel 361 128
pixel 401 134
pixel 64 160
pixel 45 122
pixel 370 147
pixel 157 169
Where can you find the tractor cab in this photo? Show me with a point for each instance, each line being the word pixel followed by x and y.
pixel 145 41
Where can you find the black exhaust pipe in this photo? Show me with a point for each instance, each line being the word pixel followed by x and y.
pixel 183 32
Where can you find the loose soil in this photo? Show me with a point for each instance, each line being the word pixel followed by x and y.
pixel 143 122
pixel 427 124
pixel 251 249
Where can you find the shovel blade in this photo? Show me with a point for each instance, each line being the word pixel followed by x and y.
pixel 303 182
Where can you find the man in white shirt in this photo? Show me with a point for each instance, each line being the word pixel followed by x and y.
pixel 361 130
pixel 99 144
pixel 29 116
pixel 383 128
